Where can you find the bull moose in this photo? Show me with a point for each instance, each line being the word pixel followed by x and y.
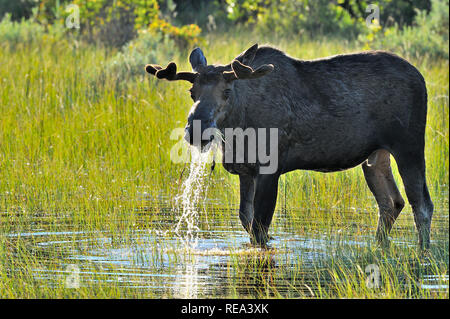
pixel 331 113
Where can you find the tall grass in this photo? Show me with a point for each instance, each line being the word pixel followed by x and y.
pixel 68 134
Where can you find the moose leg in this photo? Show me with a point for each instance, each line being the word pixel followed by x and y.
pixel 264 206
pixel 378 174
pixel 411 165
pixel 247 192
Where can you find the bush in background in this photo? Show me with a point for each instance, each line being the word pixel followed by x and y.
pixel 25 32
pixel 17 9
pixel 208 14
pixel 411 28
pixel 427 37
pixel 291 18
pixel 115 23
pixel 132 58
pixel 344 18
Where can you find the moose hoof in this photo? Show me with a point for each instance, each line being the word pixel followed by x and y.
pixel 383 240
pixel 425 254
pixel 384 244
pixel 260 239
pixel 257 244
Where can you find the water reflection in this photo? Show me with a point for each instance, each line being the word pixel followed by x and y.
pixel 187 284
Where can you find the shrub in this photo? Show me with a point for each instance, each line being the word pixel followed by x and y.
pixel 132 58
pixel 427 37
pixel 208 14
pixel 24 31
pixel 285 17
pixel 115 23
pixel 28 31
pixel 17 9
pixel 183 36
pixel 320 17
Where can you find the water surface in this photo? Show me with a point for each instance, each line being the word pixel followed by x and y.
pixel 220 262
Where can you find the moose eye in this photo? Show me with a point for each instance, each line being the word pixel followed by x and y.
pixel 226 94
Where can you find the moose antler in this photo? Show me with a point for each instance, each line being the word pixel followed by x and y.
pixel 241 71
pixel 170 72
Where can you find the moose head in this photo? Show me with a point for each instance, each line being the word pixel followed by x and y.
pixel 212 88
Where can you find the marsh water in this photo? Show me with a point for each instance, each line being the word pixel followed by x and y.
pixel 189 248
pixel 221 264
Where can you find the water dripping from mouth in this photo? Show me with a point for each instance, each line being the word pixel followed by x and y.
pixel 192 193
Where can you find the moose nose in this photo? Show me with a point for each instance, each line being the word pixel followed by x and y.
pixel 194 131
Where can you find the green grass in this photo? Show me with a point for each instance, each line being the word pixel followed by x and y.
pixel 76 153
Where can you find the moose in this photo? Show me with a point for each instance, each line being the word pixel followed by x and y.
pixel 331 113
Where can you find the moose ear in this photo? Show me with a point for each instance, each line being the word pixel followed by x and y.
pixel 197 59
pixel 247 57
